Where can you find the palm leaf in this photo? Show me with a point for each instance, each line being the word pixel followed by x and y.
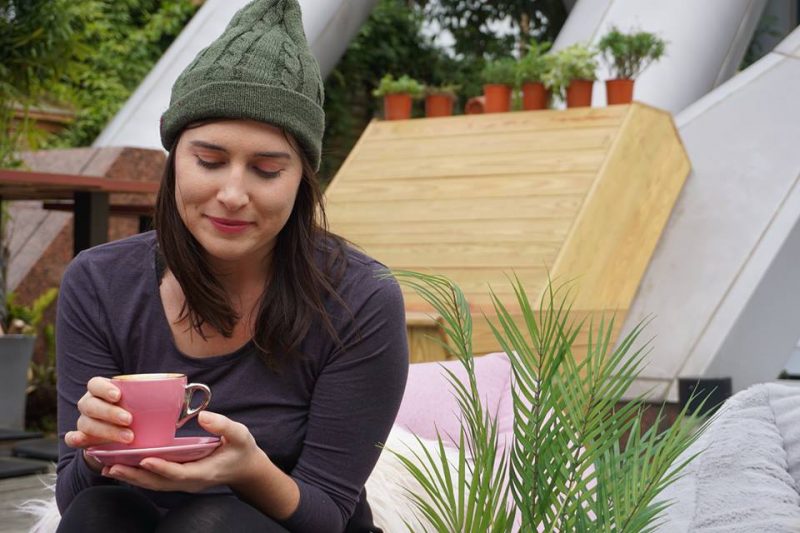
pixel 566 469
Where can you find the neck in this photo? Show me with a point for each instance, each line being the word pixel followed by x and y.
pixel 243 278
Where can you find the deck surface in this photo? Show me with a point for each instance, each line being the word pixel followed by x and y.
pixel 15 491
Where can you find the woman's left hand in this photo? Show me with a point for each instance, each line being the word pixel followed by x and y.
pixel 237 458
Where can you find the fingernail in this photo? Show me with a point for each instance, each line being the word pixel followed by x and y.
pixel 127 435
pixel 114 395
pixel 124 418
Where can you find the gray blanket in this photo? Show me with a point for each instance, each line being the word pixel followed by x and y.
pixel 747 476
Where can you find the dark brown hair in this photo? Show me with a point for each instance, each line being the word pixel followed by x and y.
pixel 307 264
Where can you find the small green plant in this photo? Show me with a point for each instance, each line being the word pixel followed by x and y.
pixel 446 89
pixel 576 62
pixel 534 66
pixel 628 54
pixel 27 319
pixel 404 84
pixel 566 469
pixel 502 71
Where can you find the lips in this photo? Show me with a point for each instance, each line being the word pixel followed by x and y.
pixel 227 225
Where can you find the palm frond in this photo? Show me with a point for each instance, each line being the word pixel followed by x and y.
pixel 566 469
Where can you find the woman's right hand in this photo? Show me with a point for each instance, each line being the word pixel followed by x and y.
pixel 101 420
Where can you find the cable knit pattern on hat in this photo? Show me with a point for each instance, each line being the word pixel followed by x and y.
pixel 260 68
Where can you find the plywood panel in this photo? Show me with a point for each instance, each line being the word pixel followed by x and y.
pixel 579 195
pixel 463 187
pixel 484 254
pixel 392 148
pixel 484 340
pixel 455 209
pixel 574 119
pixel 478 165
pixel 624 214
pixel 456 231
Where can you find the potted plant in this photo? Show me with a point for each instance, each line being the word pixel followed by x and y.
pixel 499 77
pixel 627 55
pixel 579 459
pixel 573 74
pixel 532 70
pixel 397 96
pixel 439 100
pixel 16 351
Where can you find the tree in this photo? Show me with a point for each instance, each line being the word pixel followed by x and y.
pixel 126 39
pixel 473 23
pixel 38 45
pixel 389 42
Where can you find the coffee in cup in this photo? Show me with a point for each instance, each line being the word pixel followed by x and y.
pixel 159 404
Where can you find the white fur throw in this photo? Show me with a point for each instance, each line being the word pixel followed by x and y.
pixel 742 480
pixel 386 487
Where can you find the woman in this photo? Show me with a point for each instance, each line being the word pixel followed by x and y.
pixel 301 339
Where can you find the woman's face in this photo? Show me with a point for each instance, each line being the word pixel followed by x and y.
pixel 235 187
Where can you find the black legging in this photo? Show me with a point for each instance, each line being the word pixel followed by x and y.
pixel 124 510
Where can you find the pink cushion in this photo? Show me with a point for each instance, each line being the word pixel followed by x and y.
pixel 429 401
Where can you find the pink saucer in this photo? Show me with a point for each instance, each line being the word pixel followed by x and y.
pixel 182 450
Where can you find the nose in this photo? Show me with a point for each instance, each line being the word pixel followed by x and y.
pixel 233 191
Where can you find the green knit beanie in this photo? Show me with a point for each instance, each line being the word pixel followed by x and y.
pixel 260 68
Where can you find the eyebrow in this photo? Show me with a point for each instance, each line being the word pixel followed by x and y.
pixel 218 148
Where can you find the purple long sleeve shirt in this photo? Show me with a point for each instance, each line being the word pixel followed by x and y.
pixel 319 417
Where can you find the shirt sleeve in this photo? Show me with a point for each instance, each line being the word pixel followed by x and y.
pixel 353 406
pixel 82 352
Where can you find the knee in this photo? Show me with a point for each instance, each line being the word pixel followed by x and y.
pixel 217 514
pixel 97 508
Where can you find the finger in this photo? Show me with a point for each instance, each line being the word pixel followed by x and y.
pixel 79 439
pixel 103 388
pixel 138 477
pixel 166 469
pixel 98 430
pixel 218 424
pixel 99 409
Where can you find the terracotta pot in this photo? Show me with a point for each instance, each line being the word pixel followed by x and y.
pixel 619 91
pixel 438 105
pixel 579 93
pixel 498 98
pixel 397 106
pixel 475 105
pixel 534 96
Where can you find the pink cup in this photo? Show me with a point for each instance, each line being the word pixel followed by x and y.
pixel 159 404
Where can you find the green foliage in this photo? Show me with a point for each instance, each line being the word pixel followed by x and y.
pixel 575 62
pixel 473 23
pixel 447 89
pixel 566 470
pixel 500 71
pixel 404 84
pixel 390 40
pixel 126 40
pixel 535 64
pixel 27 319
pixel 629 54
pixel 38 46
pixel 85 54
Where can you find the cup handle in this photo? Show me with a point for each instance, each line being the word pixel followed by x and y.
pixel 187 411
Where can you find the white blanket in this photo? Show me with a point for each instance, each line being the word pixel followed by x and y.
pixel 746 477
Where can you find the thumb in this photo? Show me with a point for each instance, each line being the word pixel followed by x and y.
pixel 213 422
pixel 223 426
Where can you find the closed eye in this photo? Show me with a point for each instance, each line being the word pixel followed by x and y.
pixel 266 173
pixel 209 164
